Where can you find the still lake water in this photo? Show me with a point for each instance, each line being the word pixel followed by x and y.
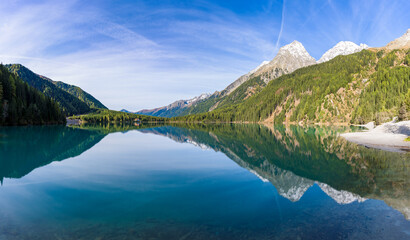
pixel 199 182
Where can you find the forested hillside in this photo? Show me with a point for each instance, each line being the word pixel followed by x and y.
pixel 240 94
pixel 21 104
pixel 357 88
pixel 91 101
pixel 71 99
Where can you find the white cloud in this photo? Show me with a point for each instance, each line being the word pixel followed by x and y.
pixel 120 66
pixel 156 55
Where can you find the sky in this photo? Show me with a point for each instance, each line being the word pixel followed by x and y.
pixel 137 54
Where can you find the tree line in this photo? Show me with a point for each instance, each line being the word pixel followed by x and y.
pixel 385 94
pixel 110 116
pixel 21 104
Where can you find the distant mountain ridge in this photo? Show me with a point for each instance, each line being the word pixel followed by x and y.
pixel 174 109
pixel 288 59
pixel 72 99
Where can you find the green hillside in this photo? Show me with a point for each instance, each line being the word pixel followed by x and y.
pixel 91 101
pixel 21 104
pixel 240 94
pixel 71 99
pixel 357 88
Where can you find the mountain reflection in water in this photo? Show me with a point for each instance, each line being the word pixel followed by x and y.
pixel 23 149
pixel 140 185
pixel 294 158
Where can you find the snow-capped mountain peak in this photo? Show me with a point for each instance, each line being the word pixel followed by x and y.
pixel 342 48
pixel 289 58
pixel 296 49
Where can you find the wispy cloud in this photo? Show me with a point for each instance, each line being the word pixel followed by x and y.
pixel 121 66
pixel 281 26
pixel 141 55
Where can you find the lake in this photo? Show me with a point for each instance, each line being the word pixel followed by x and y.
pixel 228 181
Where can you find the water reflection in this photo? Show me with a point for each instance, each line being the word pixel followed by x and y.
pixel 294 158
pixel 140 185
pixel 23 149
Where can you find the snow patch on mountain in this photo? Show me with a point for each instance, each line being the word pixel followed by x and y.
pixel 198 98
pixel 289 58
pixel 342 48
pixel 169 110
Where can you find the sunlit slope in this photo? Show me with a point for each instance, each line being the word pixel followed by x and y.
pixel 357 88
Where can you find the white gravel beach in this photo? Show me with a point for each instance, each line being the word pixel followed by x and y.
pixel 388 136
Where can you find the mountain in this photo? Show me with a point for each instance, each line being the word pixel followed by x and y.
pixel 72 100
pixel 21 104
pixel 175 108
pixel 196 104
pixel 91 101
pixel 342 48
pixel 402 42
pixel 370 85
pixel 289 58
pixel 231 87
pixel 295 158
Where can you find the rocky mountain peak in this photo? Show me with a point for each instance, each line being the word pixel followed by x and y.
pixel 401 42
pixel 289 58
pixel 296 49
pixel 342 48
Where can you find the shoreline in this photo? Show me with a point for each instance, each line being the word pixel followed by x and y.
pixel 387 136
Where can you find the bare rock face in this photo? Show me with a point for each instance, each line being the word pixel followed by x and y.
pixel 231 87
pixel 401 42
pixel 342 48
pixel 289 58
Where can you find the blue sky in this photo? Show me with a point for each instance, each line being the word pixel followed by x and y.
pixel 144 54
